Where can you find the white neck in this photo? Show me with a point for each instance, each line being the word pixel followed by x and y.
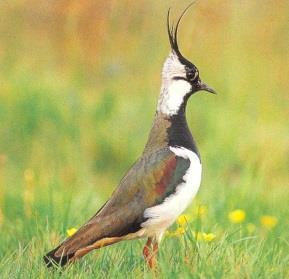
pixel 172 96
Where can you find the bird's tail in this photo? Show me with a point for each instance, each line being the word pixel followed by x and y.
pixel 87 235
pixel 100 231
pixel 51 259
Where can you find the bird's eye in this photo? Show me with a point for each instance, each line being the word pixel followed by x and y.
pixel 192 76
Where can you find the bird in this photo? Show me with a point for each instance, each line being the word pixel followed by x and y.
pixel 161 183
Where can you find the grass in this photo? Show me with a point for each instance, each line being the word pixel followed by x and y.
pixel 78 89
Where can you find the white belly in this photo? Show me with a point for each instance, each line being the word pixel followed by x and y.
pixel 161 216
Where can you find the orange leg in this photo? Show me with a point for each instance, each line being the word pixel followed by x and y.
pixel 149 251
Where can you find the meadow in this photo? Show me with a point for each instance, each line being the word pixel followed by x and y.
pixel 79 81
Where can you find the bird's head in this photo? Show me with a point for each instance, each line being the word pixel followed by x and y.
pixel 180 77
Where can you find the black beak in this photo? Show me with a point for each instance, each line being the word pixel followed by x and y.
pixel 205 87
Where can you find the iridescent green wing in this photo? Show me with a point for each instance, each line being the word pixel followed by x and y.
pixel 151 179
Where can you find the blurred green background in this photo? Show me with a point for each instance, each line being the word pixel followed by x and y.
pixel 79 81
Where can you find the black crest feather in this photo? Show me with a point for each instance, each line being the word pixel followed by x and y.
pixel 173 31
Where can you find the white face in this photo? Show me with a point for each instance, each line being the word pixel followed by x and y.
pixel 173 90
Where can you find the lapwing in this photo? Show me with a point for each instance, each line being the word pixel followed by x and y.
pixel 161 183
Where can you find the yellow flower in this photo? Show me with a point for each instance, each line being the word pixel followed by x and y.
pixel 184 219
pixel 179 231
pixel 209 236
pixel 237 216
pixel 251 228
pixel 71 231
pixel 269 222
pixel 199 236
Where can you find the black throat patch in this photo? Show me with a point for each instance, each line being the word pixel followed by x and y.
pixel 179 133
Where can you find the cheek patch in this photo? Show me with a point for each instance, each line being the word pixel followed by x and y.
pixel 172 97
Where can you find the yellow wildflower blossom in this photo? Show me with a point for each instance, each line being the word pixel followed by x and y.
pixel 209 236
pixel 179 231
pixel 71 231
pixel 237 216
pixel 201 236
pixel 184 219
pixel 269 222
